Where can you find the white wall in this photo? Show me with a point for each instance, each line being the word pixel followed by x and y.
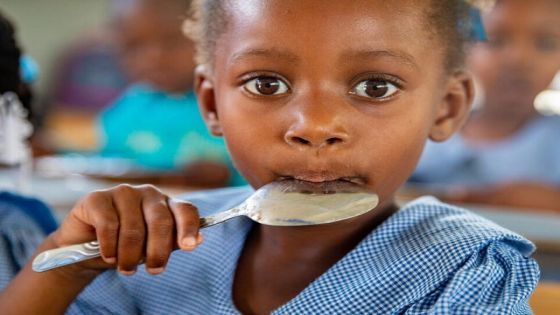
pixel 45 27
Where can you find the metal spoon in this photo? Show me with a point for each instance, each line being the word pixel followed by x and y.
pixel 281 203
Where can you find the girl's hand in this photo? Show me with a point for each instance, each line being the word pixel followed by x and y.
pixel 133 225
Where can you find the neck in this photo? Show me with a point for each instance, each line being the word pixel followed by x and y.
pixel 325 240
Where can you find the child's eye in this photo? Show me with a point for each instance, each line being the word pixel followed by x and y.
pixel 374 88
pixel 266 86
pixel 546 44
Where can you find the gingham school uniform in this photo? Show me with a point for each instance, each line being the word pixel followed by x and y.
pixel 20 235
pixel 428 258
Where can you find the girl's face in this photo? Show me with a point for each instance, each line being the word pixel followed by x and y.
pixel 330 91
pixel 521 56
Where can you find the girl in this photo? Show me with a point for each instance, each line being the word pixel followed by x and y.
pixel 343 92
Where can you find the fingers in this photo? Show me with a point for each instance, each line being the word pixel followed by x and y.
pixel 106 222
pixel 187 224
pixel 133 225
pixel 132 230
pixel 153 231
pixel 161 231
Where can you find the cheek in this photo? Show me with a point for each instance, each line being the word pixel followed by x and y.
pixel 484 66
pixel 247 137
pixel 402 146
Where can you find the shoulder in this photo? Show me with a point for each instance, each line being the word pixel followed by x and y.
pixel 433 223
pixel 19 237
pixel 542 130
pixel 552 122
pixel 449 260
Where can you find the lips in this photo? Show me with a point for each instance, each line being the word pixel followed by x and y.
pixel 324 178
pixel 323 185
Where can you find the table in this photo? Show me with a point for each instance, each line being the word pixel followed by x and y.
pixel 546 299
pixel 62 193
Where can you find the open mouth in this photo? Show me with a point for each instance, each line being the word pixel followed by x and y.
pixel 323 184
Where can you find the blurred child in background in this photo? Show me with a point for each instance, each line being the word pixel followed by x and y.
pixel 10 60
pixel 156 122
pixel 24 222
pixel 507 153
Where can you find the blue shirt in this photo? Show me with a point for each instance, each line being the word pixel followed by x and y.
pixel 428 257
pixel 532 154
pixel 160 131
pixel 20 234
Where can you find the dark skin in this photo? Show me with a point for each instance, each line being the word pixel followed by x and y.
pixel 316 128
pixel 519 60
pixel 154 49
pixel 356 108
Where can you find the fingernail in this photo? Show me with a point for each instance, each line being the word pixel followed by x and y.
pixel 189 242
pixel 174 201
pixel 199 239
pixel 127 272
pixel 155 271
pixel 110 260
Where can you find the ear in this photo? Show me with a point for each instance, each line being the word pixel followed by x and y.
pixel 454 107
pixel 204 88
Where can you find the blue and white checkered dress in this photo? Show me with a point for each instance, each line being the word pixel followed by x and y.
pixel 20 235
pixel 428 258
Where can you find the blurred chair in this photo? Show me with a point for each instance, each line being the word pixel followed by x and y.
pixel 88 74
pixel 87 78
pixel 546 299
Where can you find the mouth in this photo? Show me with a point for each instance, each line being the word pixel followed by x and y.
pixel 324 182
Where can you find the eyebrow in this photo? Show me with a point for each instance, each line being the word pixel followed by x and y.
pixel 347 55
pixel 376 54
pixel 268 53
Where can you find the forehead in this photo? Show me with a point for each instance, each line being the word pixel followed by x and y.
pixel 144 19
pixel 323 27
pixel 524 16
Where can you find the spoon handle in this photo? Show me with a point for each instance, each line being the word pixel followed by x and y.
pixel 67 255
pixel 219 217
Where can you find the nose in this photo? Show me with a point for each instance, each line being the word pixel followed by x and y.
pixel 519 56
pixel 315 128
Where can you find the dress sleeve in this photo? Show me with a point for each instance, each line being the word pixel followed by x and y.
pixel 498 279
pixel 105 295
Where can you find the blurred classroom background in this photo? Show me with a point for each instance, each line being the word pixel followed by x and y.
pixel 73 49
pixel 78 76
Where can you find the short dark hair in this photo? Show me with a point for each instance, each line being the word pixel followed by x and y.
pixel 447 19
pixel 10 54
pixel 9 57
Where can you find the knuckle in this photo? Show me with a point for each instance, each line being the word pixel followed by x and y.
pixel 93 197
pixel 186 206
pixel 132 234
pixel 191 221
pixel 125 189
pixel 109 227
pixel 189 212
pixel 160 207
pixel 149 188
pixel 164 224
pixel 158 212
